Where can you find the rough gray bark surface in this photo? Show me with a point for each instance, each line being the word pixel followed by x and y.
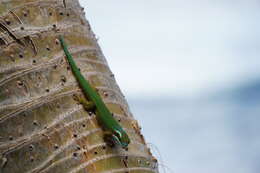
pixel 42 129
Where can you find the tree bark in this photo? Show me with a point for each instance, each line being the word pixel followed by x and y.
pixel 42 129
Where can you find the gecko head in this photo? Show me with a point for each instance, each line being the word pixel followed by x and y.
pixel 121 138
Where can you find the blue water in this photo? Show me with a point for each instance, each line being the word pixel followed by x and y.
pixel 211 134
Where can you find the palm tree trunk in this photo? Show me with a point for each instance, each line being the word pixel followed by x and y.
pixel 42 128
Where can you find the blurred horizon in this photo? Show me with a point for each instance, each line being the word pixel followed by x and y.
pixel 190 73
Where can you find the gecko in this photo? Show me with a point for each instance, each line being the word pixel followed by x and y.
pixel 114 134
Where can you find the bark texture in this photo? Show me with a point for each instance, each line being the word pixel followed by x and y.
pixel 42 129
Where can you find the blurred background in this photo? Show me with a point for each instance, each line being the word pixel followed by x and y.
pixel 190 71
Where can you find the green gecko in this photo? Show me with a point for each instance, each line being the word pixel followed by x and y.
pixel 114 133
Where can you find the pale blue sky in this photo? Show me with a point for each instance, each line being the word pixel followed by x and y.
pixel 178 47
pixel 173 50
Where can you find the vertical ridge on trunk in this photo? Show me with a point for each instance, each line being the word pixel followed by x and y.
pixel 42 128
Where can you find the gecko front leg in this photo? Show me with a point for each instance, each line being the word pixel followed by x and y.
pixel 88 105
pixel 110 138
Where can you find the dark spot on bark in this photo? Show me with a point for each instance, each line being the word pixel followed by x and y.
pixel 58 106
pixel 35 123
pixel 20 83
pixel 75 154
pixel 90 113
pixel 56 146
pixel 31 147
pixel 2 42
pixel 63 79
pixel 7 21
pixel 57 41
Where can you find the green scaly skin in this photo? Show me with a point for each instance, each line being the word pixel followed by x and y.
pixel 113 131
